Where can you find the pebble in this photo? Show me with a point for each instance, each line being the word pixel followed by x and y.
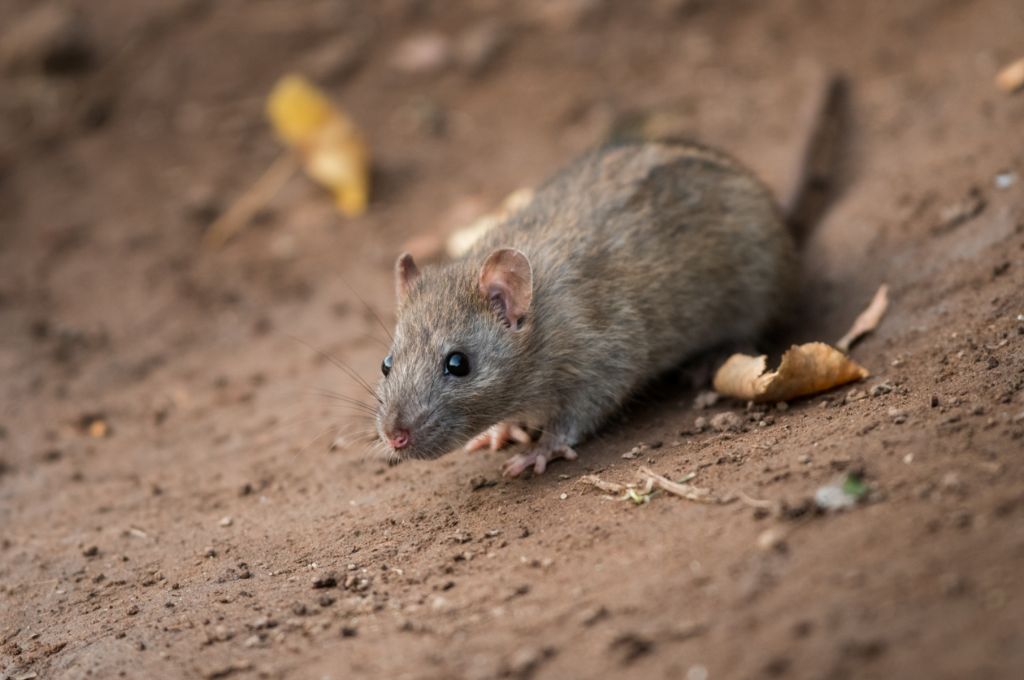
pixel 726 422
pixel 962 211
pixel 697 672
pixel 226 521
pixel 898 416
pixel 50 38
pixel 480 46
pixel 1005 180
pixel 880 389
pixel 423 54
pixel 705 399
pixel 773 539
pixel 328 580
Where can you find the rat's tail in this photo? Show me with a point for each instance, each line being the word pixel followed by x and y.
pixel 816 183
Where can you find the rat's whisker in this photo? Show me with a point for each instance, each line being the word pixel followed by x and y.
pixel 370 309
pixel 348 370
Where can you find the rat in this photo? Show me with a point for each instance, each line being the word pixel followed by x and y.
pixel 634 258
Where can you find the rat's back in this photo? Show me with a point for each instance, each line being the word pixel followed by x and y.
pixel 644 254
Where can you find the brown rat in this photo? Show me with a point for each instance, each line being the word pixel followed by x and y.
pixel 627 262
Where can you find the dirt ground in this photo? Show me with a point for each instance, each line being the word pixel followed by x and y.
pixel 177 500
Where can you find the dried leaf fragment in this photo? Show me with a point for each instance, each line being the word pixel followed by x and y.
pixel 1011 77
pixel 867 321
pixel 805 369
pixel 332 148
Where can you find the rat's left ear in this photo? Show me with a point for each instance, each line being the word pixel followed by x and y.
pixel 506 281
pixel 406 273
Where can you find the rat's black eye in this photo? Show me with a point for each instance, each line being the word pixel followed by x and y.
pixel 456 364
pixel 385 366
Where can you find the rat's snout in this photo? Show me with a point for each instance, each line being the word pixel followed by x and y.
pixel 398 438
pixel 395 431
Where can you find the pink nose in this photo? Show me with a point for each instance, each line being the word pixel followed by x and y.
pixel 399 439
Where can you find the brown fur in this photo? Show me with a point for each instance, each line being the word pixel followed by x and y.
pixel 642 255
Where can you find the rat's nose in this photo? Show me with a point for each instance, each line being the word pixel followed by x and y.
pixel 399 439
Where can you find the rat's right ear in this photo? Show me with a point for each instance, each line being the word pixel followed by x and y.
pixel 506 281
pixel 406 273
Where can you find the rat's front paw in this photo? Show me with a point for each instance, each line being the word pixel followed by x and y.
pixel 497 436
pixel 538 457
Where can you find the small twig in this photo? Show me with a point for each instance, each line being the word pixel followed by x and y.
pixel 867 321
pixel 755 502
pixel 252 201
pixel 681 489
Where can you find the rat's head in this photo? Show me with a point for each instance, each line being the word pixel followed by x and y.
pixel 451 371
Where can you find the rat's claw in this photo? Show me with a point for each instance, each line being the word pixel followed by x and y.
pixel 538 457
pixel 497 436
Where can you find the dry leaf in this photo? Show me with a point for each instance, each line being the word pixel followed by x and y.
pixel 1011 77
pixel 462 240
pixel 332 147
pixel 805 369
pixel 868 319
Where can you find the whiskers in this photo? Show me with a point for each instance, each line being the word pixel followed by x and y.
pixel 342 366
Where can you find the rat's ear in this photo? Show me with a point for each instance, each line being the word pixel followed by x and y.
pixel 406 273
pixel 506 281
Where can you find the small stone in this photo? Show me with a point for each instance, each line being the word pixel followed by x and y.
pixel 50 38
pixel 705 399
pixel 563 496
pixel 133 610
pixel 855 395
pixel 593 615
pixel 480 46
pixel 209 552
pixel 525 661
pixel 700 424
pixel 478 482
pixel 726 422
pixel 880 389
pixel 91 551
pixel 964 210
pixel 327 580
pixel 349 631
pixel 952 482
pixel 1005 179
pixel 325 601
pixel 422 54
pixel 898 416
pixel 631 646
pixel 226 521
pixel 773 539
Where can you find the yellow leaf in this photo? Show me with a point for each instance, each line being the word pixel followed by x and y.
pixel 332 148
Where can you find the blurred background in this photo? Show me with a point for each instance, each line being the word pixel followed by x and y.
pixel 170 488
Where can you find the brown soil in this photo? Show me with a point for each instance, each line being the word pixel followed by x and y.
pixel 171 485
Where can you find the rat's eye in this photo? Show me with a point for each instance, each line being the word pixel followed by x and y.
pixel 385 366
pixel 456 364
